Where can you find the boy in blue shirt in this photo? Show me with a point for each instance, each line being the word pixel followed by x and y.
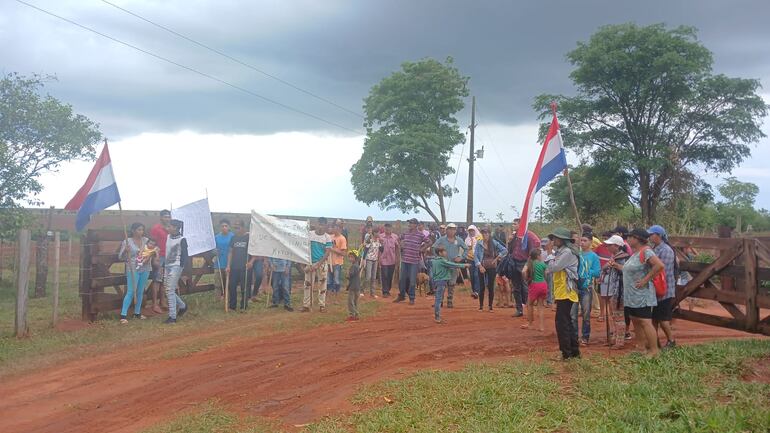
pixel 222 240
pixel 585 294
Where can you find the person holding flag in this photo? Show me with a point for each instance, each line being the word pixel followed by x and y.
pixel 520 248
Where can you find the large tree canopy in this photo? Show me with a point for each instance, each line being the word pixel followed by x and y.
pixel 37 134
pixel 411 130
pixel 648 102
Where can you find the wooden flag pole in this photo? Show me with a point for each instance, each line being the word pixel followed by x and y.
pixel 129 263
pixel 569 181
pixel 227 292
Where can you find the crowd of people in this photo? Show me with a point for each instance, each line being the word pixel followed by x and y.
pixel 632 273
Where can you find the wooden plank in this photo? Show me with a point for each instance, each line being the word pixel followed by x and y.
pixel 120 279
pixel 708 319
pixel 84 283
pixel 735 271
pixel 105 258
pixel 751 284
pixel 763 254
pixel 704 243
pixel 713 293
pixel 56 263
pixel 723 261
pixel 106 235
pixel 198 289
pixel 21 326
pixel 733 310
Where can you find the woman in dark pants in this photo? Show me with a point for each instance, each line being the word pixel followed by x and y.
pixel 487 254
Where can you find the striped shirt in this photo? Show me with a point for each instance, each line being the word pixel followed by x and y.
pixel 666 255
pixel 411 243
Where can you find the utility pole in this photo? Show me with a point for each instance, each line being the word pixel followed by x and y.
pixel 471 159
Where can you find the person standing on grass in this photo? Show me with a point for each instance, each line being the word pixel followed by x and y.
pixel 373 249
pixel 338 253
pixel 316 273
pixel 159 232
pixel 390 243
pixel 137 271
pixel 340 223
pixel 281 283
pixel 611 288
pixel 177 260
pixel 354 285
pixel 443 272
pixel 662 313
pixel 564 269
pixel 520 255
pixel 412 243
pixel 238 265
pixel 488 253
pixel 222 240
pixel 538 289
pixel 638 291
pixel 586 289
pixel 470 242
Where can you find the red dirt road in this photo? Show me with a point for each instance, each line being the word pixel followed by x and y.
pixel 293 377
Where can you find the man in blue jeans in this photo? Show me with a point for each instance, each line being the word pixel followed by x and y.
pixel 412 244
pixel 586 289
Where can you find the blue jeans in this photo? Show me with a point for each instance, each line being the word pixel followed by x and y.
pixel 474 278
pixel 334 280
pixel 440 288
pixel 281 285
pixel 134 286
pixel 407 280
pixel 582 308
pixel 171 281
pixel 257 272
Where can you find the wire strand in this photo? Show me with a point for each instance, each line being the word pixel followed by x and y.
pixel 234 59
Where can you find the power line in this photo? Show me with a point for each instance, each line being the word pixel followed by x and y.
pixel 492 184
pixel 234 59
pixel 203 74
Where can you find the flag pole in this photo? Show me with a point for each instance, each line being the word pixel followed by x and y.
pixel 569 182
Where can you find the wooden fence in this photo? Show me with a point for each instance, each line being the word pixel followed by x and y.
pixel 734 278
pixel 98 256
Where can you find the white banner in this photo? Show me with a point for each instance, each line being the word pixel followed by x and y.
pixel 279 238
pixel 197 226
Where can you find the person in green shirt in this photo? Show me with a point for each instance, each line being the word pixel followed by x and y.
pixel 441 273
pixel 538 289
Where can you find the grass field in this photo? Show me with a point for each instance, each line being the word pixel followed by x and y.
pixel 707 388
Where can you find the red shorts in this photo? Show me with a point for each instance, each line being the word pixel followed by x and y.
pixel 538 291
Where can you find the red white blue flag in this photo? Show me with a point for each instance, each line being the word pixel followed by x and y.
pixel 550 163
pixel 98 193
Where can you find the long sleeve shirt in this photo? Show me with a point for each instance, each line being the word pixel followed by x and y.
pixel 564 269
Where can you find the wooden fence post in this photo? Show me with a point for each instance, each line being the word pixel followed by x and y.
pixel 752 284
pixel 21 328
pixel 728 282
pixel 56 262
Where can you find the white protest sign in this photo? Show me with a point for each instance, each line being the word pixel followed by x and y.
pixel 198 230
pixel 279 238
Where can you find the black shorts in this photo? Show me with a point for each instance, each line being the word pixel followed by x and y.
pixel 640 313
pixel 663 312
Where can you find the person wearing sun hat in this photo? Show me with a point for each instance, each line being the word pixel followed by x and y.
pixel 611 289
pixel 638 290
pixel 564 269
pixel 661 314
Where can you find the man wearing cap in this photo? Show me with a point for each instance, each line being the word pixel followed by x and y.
pixel 389 243
pixel 412 244
pixel 455 249
pixel 661 314
pixel 520 254
pixel 564 269
pixel 470 242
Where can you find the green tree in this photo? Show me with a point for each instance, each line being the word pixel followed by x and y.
pixel 648 102
pixel 600 189
pixel 737 193
pixel 37 134
pixel 411 130
pixel 738 209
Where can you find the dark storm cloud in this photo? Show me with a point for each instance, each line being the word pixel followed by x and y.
pixel 511 50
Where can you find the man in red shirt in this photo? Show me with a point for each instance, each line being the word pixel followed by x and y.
pixel 159 232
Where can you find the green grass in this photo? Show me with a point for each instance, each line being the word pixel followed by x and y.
pixel 689 389
pixel 48 346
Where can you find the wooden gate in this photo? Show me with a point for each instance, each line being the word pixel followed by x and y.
pixel 730 271
pixel 100 269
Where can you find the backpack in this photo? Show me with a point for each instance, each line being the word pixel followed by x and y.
pixel 584 273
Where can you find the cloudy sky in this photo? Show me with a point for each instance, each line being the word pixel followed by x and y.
pixel 176 134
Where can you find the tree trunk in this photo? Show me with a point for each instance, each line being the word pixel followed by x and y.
pixel 645 197
pixel 442 209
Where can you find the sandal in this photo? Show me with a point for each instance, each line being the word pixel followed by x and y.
pixel 123 321
pixel 525 326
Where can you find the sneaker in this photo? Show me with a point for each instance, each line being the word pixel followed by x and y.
pixel 273 306
pixel 322 309
pixel 181 311
pixel 399 299
pixel 139 316
pixel 475 295
pixel 304 310
pixel 584 342
pixel 169 321
pixel 288 308
pixel 123 320
pixel 439 321
pixel 491 310
pixel 517 314
pixel 481 309
pixel 411 302
pixel 628 336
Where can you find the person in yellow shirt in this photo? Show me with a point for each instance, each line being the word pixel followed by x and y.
pixel 564 269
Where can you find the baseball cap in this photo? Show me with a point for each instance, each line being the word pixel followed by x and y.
pixel 615 240
pixel 657 230
pixel 451 226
